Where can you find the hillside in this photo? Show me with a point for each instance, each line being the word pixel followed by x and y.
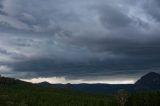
pixel 150 81
pixel 31 95
pixel 14 92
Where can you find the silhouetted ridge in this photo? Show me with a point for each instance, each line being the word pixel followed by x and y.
pixel 149 81
pixel 10 81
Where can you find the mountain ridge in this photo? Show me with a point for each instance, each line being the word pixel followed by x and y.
pixel 150 81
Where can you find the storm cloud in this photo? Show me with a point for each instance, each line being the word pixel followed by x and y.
pixel 79 39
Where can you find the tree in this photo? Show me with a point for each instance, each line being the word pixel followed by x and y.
pixel 122 96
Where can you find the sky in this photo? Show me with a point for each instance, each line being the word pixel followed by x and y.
pixel 79 41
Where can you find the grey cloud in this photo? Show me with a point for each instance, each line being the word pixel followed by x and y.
pixel 3 12
pixel 113 17
pixel 1 4
pixel 80 39
pixel 127 46
pixel 49 67
pixel 152 8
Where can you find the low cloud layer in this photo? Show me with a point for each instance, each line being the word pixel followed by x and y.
pixel 79 39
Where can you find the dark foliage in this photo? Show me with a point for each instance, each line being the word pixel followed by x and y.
pixel 18 93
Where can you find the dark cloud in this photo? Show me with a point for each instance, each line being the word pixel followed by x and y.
pixel 113 17
pixel 1 5
pixel 79 39
pixel 152 8
pixel 129 47
pixel 2 12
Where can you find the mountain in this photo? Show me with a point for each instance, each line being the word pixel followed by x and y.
pixel 150 81
pixel 92 88
pixel 103 88
pixel 18 93
pixel 5 81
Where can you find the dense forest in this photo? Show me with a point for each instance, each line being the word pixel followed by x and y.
pixel 31 95
pixel 151 98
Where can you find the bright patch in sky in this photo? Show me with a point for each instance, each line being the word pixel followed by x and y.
pixel 57 80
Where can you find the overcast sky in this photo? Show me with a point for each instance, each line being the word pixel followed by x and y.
pixel 78 41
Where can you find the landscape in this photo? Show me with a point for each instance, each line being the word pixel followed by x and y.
pixel 145 92
pixel 79 52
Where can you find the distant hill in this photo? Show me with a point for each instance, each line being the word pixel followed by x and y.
pixel 150 81
pixel 92 88
pixel 103 88
pixel 5 81
pixel 15 92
